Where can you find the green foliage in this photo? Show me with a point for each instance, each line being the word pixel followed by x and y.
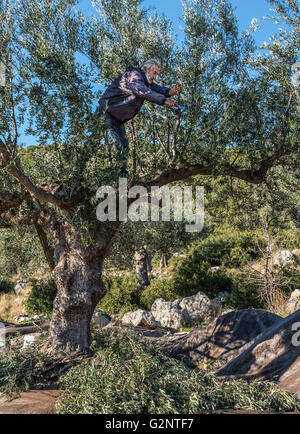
pixel 31 367
pixel 226 247
pixel 122 294
pixel 160 288
pixel 244 293
pixel 21 251
pixel 190 278
pixel 6 287
pixel 41 298
pixel 18 367
pixel 131 376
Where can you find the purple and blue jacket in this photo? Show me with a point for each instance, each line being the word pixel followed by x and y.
pixel 125 96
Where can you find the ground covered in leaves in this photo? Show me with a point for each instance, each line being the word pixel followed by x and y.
pixel 129 375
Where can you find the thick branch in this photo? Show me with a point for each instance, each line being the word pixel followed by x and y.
pixel 188 170
pixel 47 249
pixel 12 200
pixel 37 192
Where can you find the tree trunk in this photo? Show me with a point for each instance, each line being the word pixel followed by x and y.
pixel 141 267
pixel 163 261
pixel 77 275
pixel 149 265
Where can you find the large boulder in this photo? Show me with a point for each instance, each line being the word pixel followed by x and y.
pixel 140 318
pixel 188 311
pixel 167 314
pixel 198 309
pixel 223 339
pixel 293 302
pixel 274 355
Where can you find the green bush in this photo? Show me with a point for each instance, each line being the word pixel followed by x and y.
pixel 228 249
pixel 160 288
pixel 244 293
pixel 6 286
pixel 131 376
pixel 191 277
pixel 41 298
pixel 122 294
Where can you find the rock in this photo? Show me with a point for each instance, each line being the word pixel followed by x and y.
pixel 293 302
pixel 22 318
pixel 187 311
pixel 99 320
pixel 223 339
pixel 20 285
pixel 140 318
pixel 167 314
pixel 283 258
pixel 214 269
pixel 198 309
pixel 30 339
pixel 273 356
pixel 221 297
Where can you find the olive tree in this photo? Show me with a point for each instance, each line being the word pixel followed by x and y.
pixel 240 121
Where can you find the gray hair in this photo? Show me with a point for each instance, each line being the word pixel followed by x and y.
pixel 150 63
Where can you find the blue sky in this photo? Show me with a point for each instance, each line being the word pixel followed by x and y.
pixel 245 10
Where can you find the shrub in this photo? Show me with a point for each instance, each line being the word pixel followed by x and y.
pixel 122 294
pixel 244 293
pixel 6 287
pixel 189 278
pixel 161 288
pixel 228 249
pixel 41 298
pixel 131 376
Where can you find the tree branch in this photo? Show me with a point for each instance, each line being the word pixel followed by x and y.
pixel 10 200
pixel 44 242
pixel 37 192
pixel 251 176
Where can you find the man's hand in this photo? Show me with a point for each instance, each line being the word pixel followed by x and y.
pixel 177 88
pixel 171 103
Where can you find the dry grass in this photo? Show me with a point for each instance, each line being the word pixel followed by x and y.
pixel 12 305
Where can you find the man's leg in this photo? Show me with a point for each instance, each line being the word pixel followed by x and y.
pixel 119 135
pixel 121 142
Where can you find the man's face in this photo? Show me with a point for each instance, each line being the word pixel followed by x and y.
pixel 152 73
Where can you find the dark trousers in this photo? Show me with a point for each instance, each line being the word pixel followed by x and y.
pixel 118 132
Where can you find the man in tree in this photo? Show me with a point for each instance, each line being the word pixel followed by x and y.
pixel 124 98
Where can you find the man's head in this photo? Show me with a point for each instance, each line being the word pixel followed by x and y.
pixel 151 69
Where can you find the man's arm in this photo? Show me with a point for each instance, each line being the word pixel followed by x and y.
pixel 177 88
pixel 160 89
pixel 133 81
